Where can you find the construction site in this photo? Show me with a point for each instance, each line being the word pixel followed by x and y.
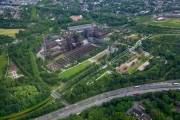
pixel 69 47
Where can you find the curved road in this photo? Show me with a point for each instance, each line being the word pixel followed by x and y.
pixel 105 97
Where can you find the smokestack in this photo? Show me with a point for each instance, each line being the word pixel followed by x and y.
pixel 68 30
pixel 84 5
pixel 44 44
pixel 92 25
pixel 74 4
pixel 94 7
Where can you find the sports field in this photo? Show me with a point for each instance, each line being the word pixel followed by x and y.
pixel 10 32
pixel 167 23
pixel 75 69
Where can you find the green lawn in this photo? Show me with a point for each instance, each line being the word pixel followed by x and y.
pixel 3 64
pixel 60 56
pixel 104 74
pixel 133 68
pixel 75 69
pixel 172 37
pixel 95 58
pixel 10 32
pixel 143 19
pixel 167 23
pixel 135 36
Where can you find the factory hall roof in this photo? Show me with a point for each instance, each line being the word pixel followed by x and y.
pixel 80 27
pixel 50 42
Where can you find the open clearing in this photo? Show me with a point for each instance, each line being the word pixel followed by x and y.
pixel 60 56
pixel 132 37
pixel 143 19
pixel 3 64
pixel 10 32
pixel 75 69
pixel 159 35
pixel 138 64
pixel 167 23
pixel 95 58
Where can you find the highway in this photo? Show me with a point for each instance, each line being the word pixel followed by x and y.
pixel 105 97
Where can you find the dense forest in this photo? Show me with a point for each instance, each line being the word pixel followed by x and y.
pixel 113 111
pixel 27 91
pixel 4 39
pixel 22 93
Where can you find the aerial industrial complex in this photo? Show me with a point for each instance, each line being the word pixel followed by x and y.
pixel 70 45
pixel 60 57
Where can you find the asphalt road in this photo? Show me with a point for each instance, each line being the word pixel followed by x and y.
pixel 105 97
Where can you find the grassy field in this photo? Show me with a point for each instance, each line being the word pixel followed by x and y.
pixel 10 32
pixel 3 64
pixel 60 56
pixel 95 58
pixel 75 69
pixel 143 19
pixel 167 23
pixel 138 64
pixel 156 37
pixel 134 36
pixel 104 74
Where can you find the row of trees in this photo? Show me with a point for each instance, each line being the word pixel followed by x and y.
pixel 33 14
pixel 150 29
pixel 54 105
pixel 79 74
pixel 50 78
pixel 92 53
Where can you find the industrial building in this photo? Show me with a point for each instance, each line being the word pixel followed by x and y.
pixel 56 45
pixel 174 14
pixel 81 27
pixel 53 45
pixel 70 45
pixel 171 15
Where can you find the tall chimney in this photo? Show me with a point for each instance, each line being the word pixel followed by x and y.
pixel 84 5
pixel 74 5
pixel 94 6
pixel 44 44
pixel 92 24
pixel 68 30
